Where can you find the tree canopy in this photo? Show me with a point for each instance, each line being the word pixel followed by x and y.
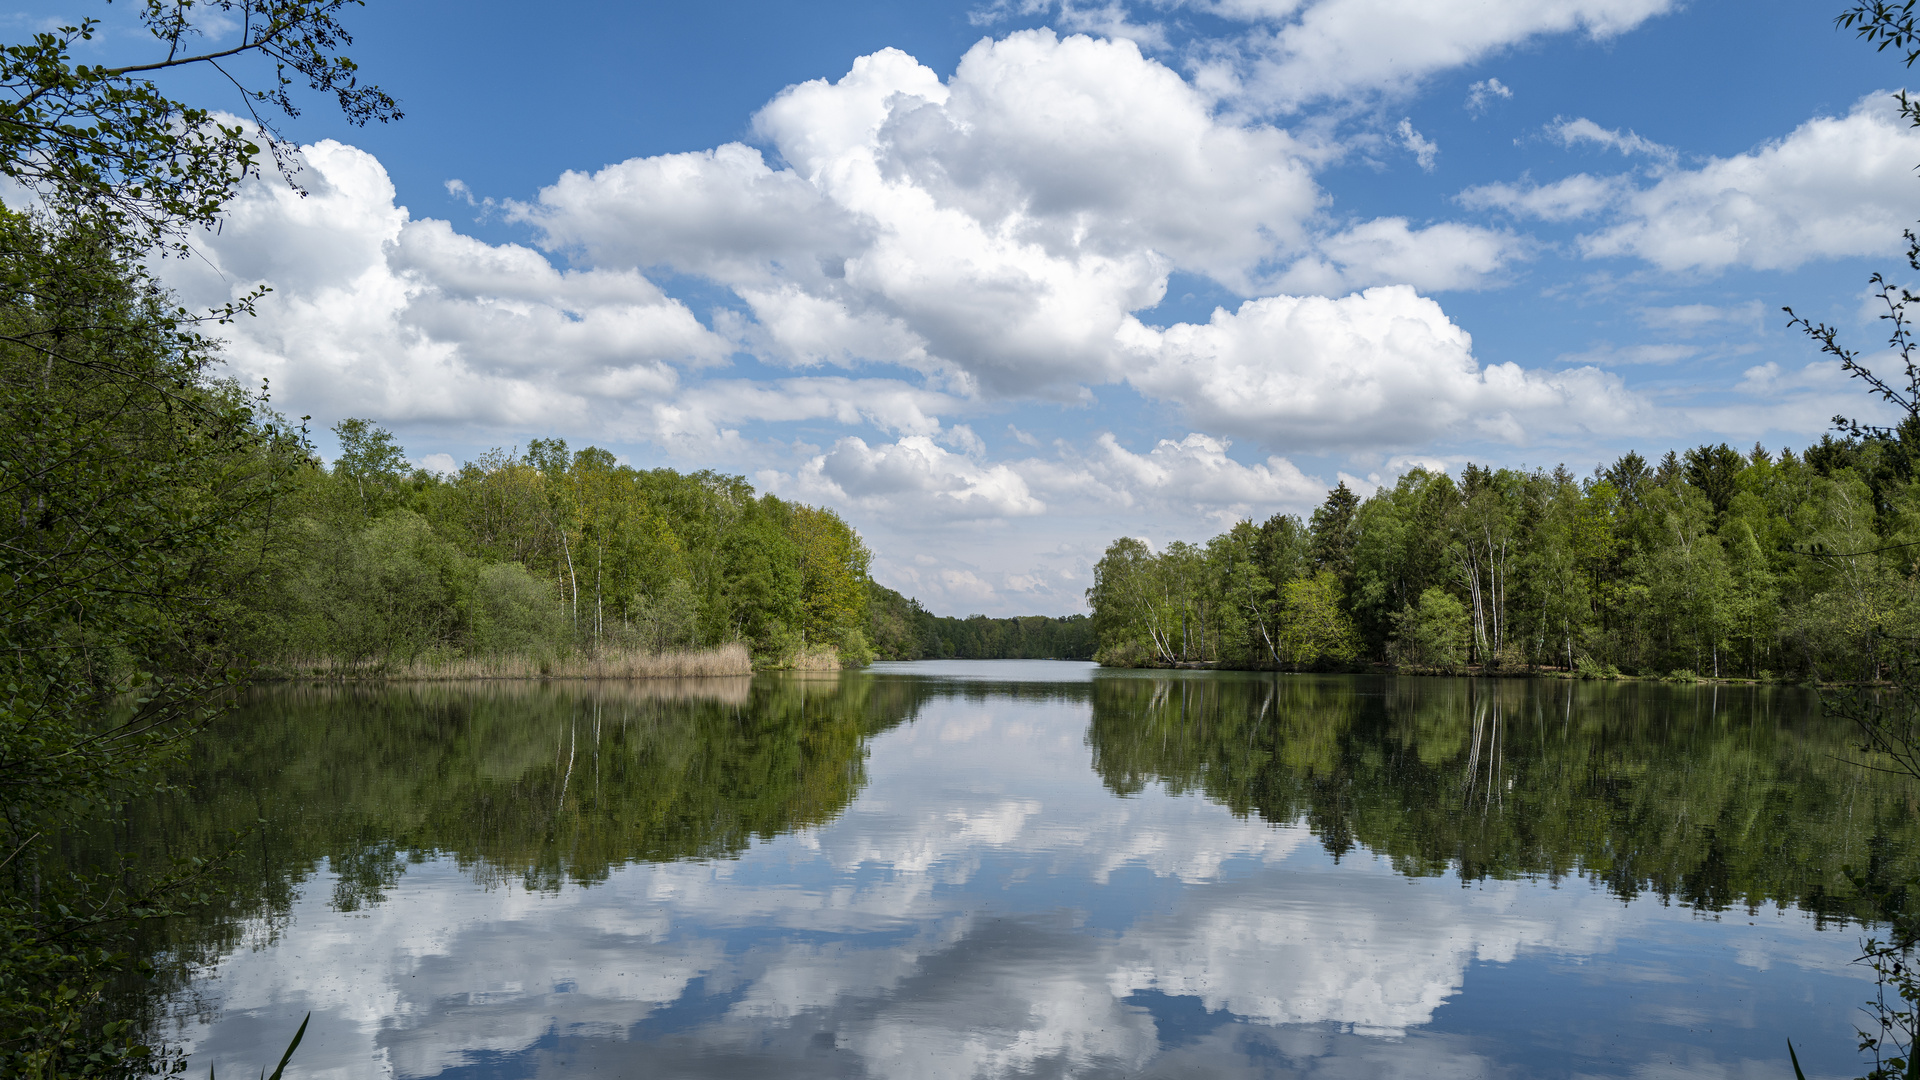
pixel 1718 563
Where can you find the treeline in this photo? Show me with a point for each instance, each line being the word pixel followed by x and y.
pixel 903 630
pixel 552 552
pixel 543 554
pixel 1712 562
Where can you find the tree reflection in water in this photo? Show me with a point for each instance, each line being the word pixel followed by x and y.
pixel 1707 796
pixel 953 908
pixel 536 783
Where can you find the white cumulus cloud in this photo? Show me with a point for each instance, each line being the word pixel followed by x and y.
pixel 376 314
pixel 917 475
pixel 1302 51
pixel 1389 251
pixel 1834 187
pixel 995 228
pixel 1382 368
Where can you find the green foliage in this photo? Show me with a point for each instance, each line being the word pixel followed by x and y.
pixel 105 142
pixel 1589 668
pixel 147 491
pixel 1433 634
pixel 551 552
pixel 1718 563
pixel 1333 531
pixel 1316 631
pixel 833 580
pixel 146 496
pixel 374 465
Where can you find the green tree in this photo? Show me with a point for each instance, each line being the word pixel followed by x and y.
pixel 1317 631
pixel 1401 550
pixel 1554 593
pixel 144 483
pixel 833 580
pixel 1334 530
pixel 145 494
pixel 373 461
pixel 1485 548
pixel 1711 470
pixel 1129 612
pixel 763 586
pixel 1249 610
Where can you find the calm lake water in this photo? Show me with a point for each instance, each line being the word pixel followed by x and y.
pixel 992 869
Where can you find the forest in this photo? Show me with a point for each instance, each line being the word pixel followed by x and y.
pixel 903 630
pixel 526 559
pixel 540 555
pixel 1708 563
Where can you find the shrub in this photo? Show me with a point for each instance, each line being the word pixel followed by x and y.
pixel 1124 654
pixel 1433 633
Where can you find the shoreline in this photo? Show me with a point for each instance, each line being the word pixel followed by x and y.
pixel 725 661
pixel 1477 672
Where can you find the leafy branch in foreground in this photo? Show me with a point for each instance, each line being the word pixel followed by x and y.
pixel 1888 720
pixel 1901 341
pixel 105 139
pixel 1887 716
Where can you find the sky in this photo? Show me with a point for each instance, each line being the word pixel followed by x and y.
pixel 1002 281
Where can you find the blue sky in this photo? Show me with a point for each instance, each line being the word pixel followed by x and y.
pixel 1003 281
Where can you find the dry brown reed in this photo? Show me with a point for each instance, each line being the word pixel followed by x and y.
pixel 724 689
pixel 814 658
pixel 730 659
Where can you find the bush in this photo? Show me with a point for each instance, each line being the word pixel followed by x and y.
pixel 854 650
pixel 775 643
pixel 1588 668
pixel 514 612
pixel 1124 654
pixel 669 618
pixel 1432 634
pixel 1511 657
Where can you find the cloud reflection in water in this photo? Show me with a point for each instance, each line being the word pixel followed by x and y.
pixel 987 907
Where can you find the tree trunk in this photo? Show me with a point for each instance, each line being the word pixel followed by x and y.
pixel 567 550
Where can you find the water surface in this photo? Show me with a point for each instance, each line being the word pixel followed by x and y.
pixel 1029 868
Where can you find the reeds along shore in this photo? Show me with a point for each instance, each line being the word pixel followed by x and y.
pixel 729 659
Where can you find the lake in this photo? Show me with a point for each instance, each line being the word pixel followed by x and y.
pixel 1028 868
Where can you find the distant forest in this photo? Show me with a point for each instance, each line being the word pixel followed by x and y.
pixel 1710 563
pixel 903 630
